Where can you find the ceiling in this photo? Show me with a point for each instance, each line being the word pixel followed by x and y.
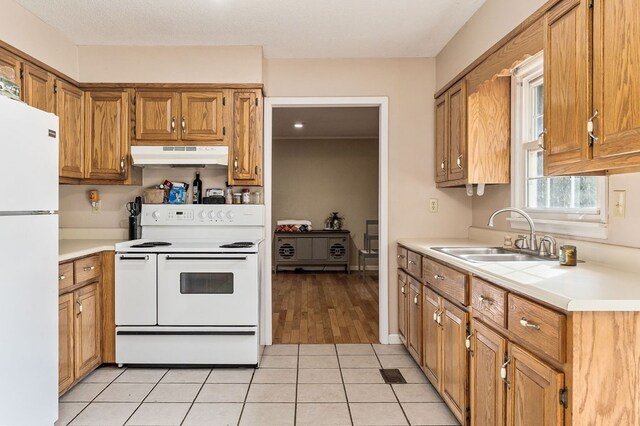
pixel 285 28
pixel 326 122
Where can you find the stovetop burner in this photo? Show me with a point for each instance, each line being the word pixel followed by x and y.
pixel 149 244
pixel 238 244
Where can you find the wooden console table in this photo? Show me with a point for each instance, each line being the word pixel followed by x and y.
pixel 314 248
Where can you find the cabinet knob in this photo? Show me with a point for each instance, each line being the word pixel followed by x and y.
pixel 467 343
pixel 438 277
pixel 123 165
pixel 173 125
pixel 184 125
pixel 402 289
pixel 235 164
pixel 443 165
pixel 541 142
pixel 483 299
pixel 88 268
pixel 503 370
pixel 79 304
pixel 62 277
pixel 415 300
pixel 459 162
pixel 592 136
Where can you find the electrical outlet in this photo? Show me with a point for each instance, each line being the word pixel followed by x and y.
pixel 433 205
pixel 619 203
pixel 95 207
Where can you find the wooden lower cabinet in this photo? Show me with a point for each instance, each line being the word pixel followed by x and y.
pixel 487 390
pixel 432 337
pixel 66 373
pixel 414 339
pixel 454 359
pixel 87 329
pixel 403 299
pixel 533 397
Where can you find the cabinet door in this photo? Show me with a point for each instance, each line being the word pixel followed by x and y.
pixel 534 391
pixel 442 131
pixel 38 88
pixel 9 60
pixel 616 55
pixel 157 116
pixel 246 149
pixel 106 135
pixel 87 329
pixel 454 359
pixel 70 109
pixel 403 298
pixel 415 321
pixel 432 337
pixel 566 86
pixel 457 131
pixel 203 116
pixel 65 342
pixel 487 390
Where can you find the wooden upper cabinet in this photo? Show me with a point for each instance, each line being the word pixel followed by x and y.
pixel 442 128
pixel 157 115
pixel 9 60
pixel 616 55
pixel 202 116
pixel 454 359
pixel 246 149
pixel 457 131
pixel 533 396
pixel 87 329
pixel 66 373
pixel 70 110
pixel 487 390
pixel 566 86
pixel 37 85
pixel 106 135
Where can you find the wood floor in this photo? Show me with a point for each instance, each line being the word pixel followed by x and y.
pixel 325 308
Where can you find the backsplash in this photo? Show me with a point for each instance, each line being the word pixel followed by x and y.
pixel 75 209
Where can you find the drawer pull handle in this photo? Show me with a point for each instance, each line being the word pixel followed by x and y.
pixel 484 299
pixel 438 277
pixel 527 324
pixel 62 277
pixel 415 300
pixel 88 268
pixel 402 290
pixel 503 371
pixel 435 315
pixel 401 256
pixel 467 343
pixel 411 262
pixel 79 303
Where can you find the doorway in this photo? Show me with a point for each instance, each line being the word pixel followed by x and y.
pixel 347 286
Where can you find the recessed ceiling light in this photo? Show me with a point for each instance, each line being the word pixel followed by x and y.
pixel 298 125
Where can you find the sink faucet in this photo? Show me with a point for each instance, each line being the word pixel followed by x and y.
pixel 533 243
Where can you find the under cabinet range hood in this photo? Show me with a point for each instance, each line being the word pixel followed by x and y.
pixel 180 156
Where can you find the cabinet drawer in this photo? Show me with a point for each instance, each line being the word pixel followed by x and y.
pixel 402 257
pixel 446 280
pixel 541 328
pixel 489 301
pixel 402 276
pixel 65 275
pixel 414 263
pixel 87 269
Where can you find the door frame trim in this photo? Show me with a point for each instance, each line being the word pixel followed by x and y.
pixel 382 102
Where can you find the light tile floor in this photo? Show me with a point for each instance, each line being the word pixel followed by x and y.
pixel 296 384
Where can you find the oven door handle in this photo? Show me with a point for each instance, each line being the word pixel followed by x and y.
pixel 146 257
pixel 205 258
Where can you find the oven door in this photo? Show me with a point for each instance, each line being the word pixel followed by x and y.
pixel 208 289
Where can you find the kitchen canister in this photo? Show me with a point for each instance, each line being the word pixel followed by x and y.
pixel 568 255
pixel 246 196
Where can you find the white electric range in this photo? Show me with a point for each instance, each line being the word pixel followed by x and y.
pixel 188 292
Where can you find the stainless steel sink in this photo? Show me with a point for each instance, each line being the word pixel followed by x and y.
pixel 489 254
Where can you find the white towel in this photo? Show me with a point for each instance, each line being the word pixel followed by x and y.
pixel 294 222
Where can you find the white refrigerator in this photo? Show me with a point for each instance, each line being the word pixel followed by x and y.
pixel 28 265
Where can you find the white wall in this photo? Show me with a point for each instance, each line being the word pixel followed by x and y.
pixel 170 64
pixel 488 25
pixel 23 30
pixel 410 86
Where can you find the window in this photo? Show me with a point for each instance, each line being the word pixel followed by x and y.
pixel 572 205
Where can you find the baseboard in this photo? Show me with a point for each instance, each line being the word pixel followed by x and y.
pixel 394 339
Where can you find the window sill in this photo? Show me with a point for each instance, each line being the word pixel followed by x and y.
pixel 575 229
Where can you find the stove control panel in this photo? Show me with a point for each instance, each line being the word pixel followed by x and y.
pixel 200 215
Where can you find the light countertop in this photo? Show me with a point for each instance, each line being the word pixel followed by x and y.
pixel 71 249
pixel 586 287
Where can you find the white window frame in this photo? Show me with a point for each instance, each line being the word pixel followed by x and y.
pixel 590 223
